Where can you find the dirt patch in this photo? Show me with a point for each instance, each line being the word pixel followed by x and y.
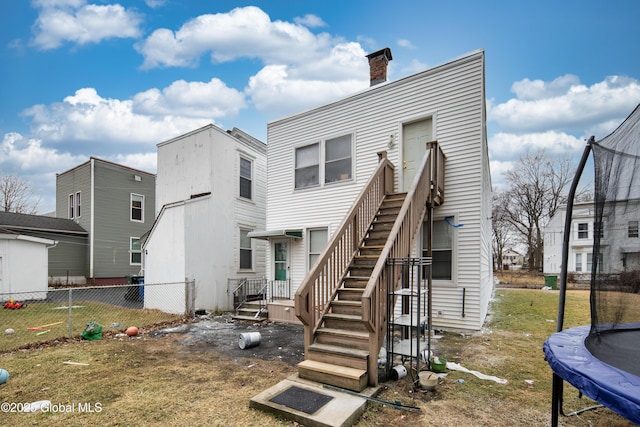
pixel 220 334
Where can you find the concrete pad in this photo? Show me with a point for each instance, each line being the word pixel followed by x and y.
pixel 341 411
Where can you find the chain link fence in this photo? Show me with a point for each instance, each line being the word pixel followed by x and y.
pixel 29 318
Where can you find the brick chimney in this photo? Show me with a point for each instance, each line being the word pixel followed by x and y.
pixel 378 62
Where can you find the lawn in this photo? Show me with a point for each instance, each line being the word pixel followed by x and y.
pixel 158 381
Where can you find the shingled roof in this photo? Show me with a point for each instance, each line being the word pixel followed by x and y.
pixel 16 221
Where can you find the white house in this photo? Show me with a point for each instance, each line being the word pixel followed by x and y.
pixel 319 161
pixel 24 266
pixel 621 248
pixel 210 193
pixel 512 260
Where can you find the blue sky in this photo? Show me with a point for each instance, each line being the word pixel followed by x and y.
pixel 112 79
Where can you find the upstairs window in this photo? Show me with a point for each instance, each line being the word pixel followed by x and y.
pixel 78 204
pixel 307 172
pixel 633 229
pixel 324 162
pixel 72 204
pixel 583 230
pixel 137 207
pixel 337 159
pixel 246 178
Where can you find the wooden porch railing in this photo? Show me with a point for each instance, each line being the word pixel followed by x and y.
pixel 427 189
pixel 321 283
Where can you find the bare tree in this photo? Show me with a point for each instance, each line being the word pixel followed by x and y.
pixel 502 228
pixel 537 189
pixel 17 195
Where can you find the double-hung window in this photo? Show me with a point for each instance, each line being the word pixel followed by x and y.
pixel 246 251
pixel 324 162
pixel 135 251
pixel 72 203
pixel 583 230
pixel 632 229
pixel 137 207
pixel 317 242
pixel 246 178
pixel 441 249
pixel 578 262
pixel 78 204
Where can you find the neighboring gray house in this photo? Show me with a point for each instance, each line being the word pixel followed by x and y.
pixel 115 204
pixel 67 259
pixel 622 244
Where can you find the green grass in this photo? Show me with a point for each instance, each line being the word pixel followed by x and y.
pixel 54 319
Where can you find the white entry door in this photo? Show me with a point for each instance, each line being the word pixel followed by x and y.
pixel 415 136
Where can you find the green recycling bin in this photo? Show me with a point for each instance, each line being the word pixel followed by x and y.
pixel 551 281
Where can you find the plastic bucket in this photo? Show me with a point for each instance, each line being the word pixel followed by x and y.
pixel 249 339
pixel 398 372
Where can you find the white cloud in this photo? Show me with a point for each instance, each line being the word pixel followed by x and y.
pixel 61 21
pixel 212 99
pixel 406 44
pixel 246 32
pixel 565 104
pixel 310 21
pixel 87 117
pixel 509 145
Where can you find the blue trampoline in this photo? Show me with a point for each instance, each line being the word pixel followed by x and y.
pixel 602 360
pixel 570 359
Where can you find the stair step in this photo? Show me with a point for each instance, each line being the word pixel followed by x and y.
pixel 346 307
pixel 335 375
pixel 343 337
pixel 349 322
pixel 338 355
pixel 371 250
pixel 350 294
pixel 249 318
pixel 356 282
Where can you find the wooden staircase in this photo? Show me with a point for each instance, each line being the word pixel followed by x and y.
pixel 339 354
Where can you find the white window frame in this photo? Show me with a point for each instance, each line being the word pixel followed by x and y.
pixel 578 262
pixel 581 231
pixel 132 251
pixel 71 209
pixel 453 249
pixel 250 178
pixel 322 162
pixel 141 207
pixel 78 203
pixel 241 249
pixel 310 253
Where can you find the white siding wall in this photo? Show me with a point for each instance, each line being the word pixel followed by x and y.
pixel 164 261
pixel 454 95
pixel 24 267
pixel 207 160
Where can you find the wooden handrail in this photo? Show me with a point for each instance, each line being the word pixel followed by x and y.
pixel 321 283
pixel 427 189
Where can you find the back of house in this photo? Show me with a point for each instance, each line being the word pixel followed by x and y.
pixel 319 160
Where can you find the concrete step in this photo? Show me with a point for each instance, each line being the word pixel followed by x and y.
pixel 335 375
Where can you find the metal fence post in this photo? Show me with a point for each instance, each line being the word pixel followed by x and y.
pixel 70 320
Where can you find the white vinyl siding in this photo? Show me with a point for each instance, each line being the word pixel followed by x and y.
pixel 453 96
